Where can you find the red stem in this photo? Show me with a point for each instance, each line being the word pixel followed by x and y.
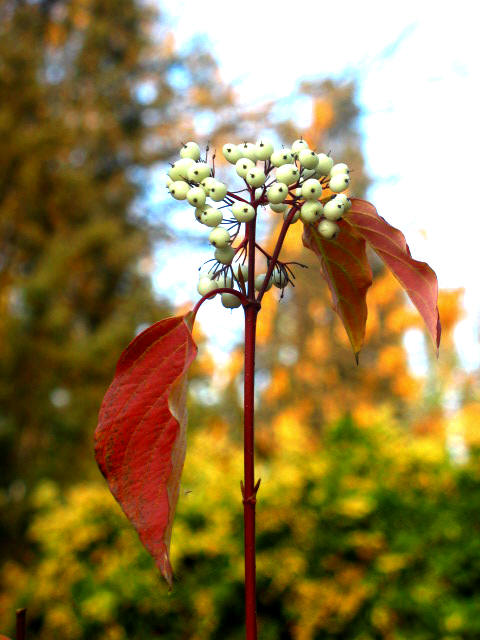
pixel 249 488
pixel 21 624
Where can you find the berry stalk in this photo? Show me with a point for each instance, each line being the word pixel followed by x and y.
pixel 249 488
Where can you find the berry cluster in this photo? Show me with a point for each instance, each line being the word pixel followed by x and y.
pixel 296 182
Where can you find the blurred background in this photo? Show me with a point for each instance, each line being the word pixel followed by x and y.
pixel 368 512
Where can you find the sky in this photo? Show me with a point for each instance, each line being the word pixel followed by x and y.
pixel 417 65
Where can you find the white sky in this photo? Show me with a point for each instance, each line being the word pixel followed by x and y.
pixel 420 118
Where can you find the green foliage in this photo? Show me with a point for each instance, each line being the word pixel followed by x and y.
pixel 366 533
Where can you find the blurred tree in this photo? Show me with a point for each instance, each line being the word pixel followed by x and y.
pixel 92 95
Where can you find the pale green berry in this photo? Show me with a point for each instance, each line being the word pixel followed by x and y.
pixel 298 192
pixel 179 189
pixel 341 167
pixel 230 301
pixel 206 285
pixel 248 150
pixel 299 145
pixel 334 209
pixel 287 173
pixel 279 277
pixel 207 183
pixel 199 211
pixel 263 149
pixel 225 255
pixel 198 172
pixel 211 217
pixel 190 150
pixel 180 168
pixel 283 156
pixel 277 192
pixel 347 203
pixel 231 152
pixel 311 211
pixel 258 193
pixel 339 182
pixel 260 279
pixel 328 229
pixel 308 158
pixel 325 163
pixel 309 173
pixel 243 166
pixel 217 191
pixel 311 189
pixel 255 177
pixel 196 196
pixel 224 281
pixel 241 269
pixel 295 218
pixel 243 212
pixel 219 238
pixel 278 208
pixel 168 181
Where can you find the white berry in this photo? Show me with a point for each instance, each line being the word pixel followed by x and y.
pixel 243 166
pixel 225 255
pixel 277 192
pixel 248 150
pixel 279 277
pixel 278 208
pixel 308 158
pixel 328 229
pixel 309 173
pixel 179 189
pixel 311 189
pixel 311 211
pixel 333 209
pixel 224 281
pixel 207 183
pixel 230 301
pixel 283 156
pixel 206 285
pixel 196 197
pixel 287 173
pixel 341 167
pixel 217 190
pixel 219 238
pixel 241 269
pixel 260 279
pixel 339 182
pixel 295 218
pixel 347 203
pixel 299 145
pixel 190 150
pixel 263 149
pixel 198 172
pixel 255 177
pixel 325 163
pixel 243 212
pixel 211 217
pixel 231 152
pixel 180 168
pixel 199 212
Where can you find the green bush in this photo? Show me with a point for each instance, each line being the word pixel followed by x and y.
pixel 366 533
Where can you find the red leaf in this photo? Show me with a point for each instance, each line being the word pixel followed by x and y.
pixel 347 272
pixel 417 278
pixel 140 439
